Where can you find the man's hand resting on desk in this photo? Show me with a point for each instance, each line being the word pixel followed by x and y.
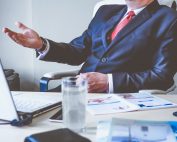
pixel 97 82
pixel 28 37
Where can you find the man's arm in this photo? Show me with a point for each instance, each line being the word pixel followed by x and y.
pixel 73 53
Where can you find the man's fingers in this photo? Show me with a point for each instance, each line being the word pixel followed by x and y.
pixel 15 38
pixel 13 35
pixel 18 38
pixel 7 30
pixel 21 26
pixel 4 30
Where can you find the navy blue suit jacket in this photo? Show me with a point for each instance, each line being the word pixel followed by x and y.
pixel 142 56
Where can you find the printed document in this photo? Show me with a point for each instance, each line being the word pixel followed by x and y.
pixel 126 102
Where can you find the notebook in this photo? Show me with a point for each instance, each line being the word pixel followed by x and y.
pixel 13 106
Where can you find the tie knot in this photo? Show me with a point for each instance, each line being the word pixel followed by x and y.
pixel 131 13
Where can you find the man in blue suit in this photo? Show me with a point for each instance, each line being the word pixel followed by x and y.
pixel 121 52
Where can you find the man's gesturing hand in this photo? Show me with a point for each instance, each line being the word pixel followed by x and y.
pixel 28 37
pixel 97 82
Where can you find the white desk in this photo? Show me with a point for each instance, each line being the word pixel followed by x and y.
pixel 41 123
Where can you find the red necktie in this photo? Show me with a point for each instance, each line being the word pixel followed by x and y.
pixel 122 24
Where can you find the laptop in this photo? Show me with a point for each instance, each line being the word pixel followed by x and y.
pixel 14 105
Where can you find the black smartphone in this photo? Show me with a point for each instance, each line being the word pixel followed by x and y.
pixel 57 117
pixel 62 135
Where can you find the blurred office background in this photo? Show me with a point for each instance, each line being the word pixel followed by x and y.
pixel 59 20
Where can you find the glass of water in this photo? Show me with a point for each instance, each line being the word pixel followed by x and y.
pixel 74 91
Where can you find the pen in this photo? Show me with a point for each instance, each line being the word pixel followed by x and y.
pixel 146 101
pixel 158 105
pixel 104 103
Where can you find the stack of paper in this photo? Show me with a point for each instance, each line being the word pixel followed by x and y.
pixel 111 103
pixel 115 103
pixel 147 101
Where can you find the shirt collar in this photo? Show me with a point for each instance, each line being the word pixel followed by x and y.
pixel 136 11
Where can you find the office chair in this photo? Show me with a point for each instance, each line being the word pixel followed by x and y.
pixel 44 81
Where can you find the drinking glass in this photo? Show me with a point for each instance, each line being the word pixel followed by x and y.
pixel 74 91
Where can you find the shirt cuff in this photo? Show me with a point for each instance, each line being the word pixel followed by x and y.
pixel 43 53
pixel 110 80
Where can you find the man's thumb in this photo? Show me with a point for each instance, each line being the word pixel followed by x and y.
pixel 21 26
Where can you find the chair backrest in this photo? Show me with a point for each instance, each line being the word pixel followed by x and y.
pixel 170 3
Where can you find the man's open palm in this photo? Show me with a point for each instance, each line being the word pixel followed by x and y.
pixel 28 37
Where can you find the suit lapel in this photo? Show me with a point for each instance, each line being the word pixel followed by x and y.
pixel 110 25
pixel 137 21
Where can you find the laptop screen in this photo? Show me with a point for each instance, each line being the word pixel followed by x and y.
pixel 7 108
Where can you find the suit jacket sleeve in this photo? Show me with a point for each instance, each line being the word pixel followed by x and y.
pixel 75 52
pixel 160 76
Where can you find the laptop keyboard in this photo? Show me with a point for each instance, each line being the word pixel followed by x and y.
pixel 30 103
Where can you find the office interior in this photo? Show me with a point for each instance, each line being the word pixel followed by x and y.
pixel 59 20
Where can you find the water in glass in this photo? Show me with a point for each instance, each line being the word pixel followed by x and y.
pixel 74 103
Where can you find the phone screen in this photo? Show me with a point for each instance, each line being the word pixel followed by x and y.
pixel 57 117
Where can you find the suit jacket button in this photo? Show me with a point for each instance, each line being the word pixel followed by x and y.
pixel 103 60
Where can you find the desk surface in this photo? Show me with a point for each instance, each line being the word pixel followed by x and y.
pixel 41 123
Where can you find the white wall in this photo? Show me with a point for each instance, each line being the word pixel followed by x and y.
pixel 11 54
